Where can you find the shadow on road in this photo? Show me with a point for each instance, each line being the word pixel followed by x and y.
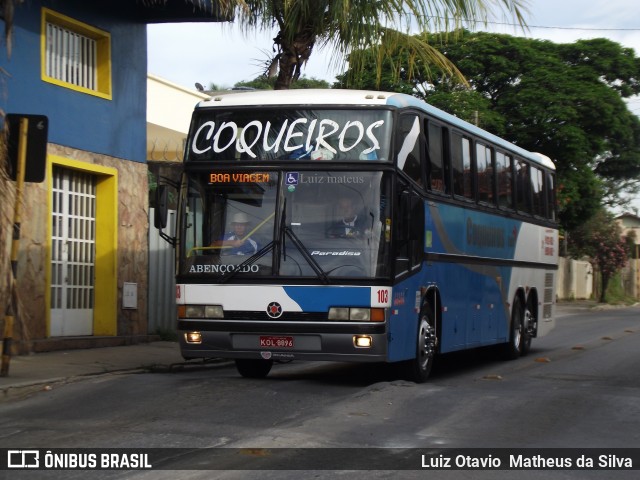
pixel 364 374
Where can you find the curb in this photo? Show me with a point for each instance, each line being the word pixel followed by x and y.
pixel 26 389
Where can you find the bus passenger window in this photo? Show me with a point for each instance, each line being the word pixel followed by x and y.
pixel 504 180
pixel 436 180
pixel 461 166
pixel 551 198
pixel 408 153
pixel 537 188
pixel 485 172
pixel 523 187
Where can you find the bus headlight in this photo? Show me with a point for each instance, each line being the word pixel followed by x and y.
pixel 356 314
pixel 200 311
pixel 336 313
pixel 360 314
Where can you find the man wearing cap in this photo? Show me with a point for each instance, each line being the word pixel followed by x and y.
pixel 238 242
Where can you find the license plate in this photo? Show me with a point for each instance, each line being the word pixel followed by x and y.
pixel 276 342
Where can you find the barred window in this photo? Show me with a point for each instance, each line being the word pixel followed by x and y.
pixel 76 55
pixel 71 57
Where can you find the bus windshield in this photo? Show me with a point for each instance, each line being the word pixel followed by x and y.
pixel 283 134
pixel 324 224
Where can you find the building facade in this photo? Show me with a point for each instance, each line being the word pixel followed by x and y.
pixel 83 266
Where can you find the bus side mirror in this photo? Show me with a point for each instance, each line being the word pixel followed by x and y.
pixel 161 210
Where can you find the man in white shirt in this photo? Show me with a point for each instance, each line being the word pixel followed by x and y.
pixel 238 241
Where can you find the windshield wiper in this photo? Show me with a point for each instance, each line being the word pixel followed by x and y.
pixel 249 261
pixel 301 248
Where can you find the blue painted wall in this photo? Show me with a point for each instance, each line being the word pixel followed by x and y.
pixel 115 127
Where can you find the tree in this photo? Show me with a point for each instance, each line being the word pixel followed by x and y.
pixel 563 100
pixel 265 83
pixel 346 25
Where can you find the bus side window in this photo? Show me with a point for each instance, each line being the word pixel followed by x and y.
pixel 461 166
pixel 504 172
pixel 408 141
pixel 537 189
pixel 551 198
pixel 485 173
pixel 437 179
pixel 523 187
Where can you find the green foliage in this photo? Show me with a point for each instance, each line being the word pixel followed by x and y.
pixel 265 83
pixel 563 100
pixel 616 293
pixel 259 83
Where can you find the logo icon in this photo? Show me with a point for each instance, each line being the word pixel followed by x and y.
pixel 23 458
pixel 274 310
pixel 292 178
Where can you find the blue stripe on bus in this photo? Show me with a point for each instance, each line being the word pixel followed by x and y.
pixel 320 298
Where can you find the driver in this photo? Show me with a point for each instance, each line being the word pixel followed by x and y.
pixel 238 240
pixel 349 224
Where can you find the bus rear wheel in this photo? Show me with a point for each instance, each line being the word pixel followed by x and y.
pixel 513 349
pixel 527 330
pixel 251 368
pixel 419 368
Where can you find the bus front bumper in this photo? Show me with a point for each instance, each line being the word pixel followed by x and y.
pixel 326 341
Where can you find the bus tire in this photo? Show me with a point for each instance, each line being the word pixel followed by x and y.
pixel 513 348
pixel 419 368
pixel 252 368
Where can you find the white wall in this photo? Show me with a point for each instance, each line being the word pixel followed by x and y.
pixel 169 109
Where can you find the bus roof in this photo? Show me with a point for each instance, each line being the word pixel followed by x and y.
pixel 362 98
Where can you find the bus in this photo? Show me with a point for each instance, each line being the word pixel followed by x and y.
pixel 357 226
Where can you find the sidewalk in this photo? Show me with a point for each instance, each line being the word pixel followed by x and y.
pixel 41 371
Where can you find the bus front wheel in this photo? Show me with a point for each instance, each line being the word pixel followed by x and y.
pixel 251 368
pixel 420 367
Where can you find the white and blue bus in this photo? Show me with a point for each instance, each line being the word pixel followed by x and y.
pixel 358 226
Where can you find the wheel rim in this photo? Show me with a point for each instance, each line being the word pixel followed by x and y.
pixel 527 320
pixel 517 327
pixel 426 343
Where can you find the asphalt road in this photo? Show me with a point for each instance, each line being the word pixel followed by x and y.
pixel 578 388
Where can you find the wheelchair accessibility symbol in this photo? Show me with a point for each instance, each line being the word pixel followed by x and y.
pixel 292 178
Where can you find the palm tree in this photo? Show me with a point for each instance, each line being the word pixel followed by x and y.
pixel 347 25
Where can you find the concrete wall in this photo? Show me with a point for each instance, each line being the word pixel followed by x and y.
pixel 575 279
pixel 169 110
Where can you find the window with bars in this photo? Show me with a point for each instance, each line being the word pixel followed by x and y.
pixel 75 55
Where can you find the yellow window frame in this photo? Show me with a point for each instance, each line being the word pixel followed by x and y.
pixel 103 47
